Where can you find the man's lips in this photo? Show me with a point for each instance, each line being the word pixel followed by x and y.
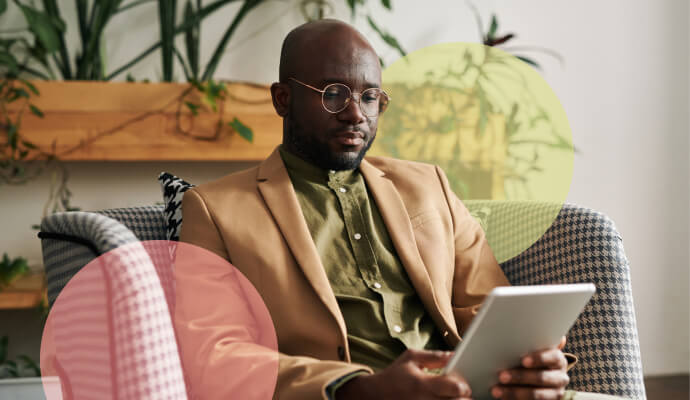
pixel 349 138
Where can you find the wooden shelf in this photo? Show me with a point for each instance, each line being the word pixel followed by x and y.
pixel 27 292
pixel 122 121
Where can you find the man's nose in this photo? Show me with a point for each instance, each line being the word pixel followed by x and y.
pixel 352 113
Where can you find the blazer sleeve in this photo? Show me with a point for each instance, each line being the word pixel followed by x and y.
pixel 225 334
pixel 476 270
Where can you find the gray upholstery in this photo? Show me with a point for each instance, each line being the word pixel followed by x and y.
pixel 581 245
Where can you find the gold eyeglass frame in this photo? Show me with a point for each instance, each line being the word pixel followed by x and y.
pixel 347 102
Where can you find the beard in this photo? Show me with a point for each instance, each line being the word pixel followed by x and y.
pixel 319 153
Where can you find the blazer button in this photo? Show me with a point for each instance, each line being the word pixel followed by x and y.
pixel 445 333
pixel 341 353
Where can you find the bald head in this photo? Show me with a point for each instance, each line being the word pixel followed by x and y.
pixel 313 41
pixel 316 56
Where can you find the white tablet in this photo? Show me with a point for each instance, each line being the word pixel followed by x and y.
pixel 512 322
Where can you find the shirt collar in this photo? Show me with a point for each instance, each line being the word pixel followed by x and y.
pixel 305 170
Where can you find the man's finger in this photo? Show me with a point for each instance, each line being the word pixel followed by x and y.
pixel 428 359
pixel 524 393
pixel 554 378
pixel 448 386
pixel 550 359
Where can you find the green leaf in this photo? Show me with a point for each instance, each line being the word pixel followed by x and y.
pixel 12 135
pixel 387 37
pixel 529 61
pixel 387 4
pixel 16 93
pixel 194 108
pixel 29 145
pixel 242 130
pixel 353 5
pixel 30 364
pixel 43 26
pixel 130 77
pixel 3 6
pixel 36 111
pixel 30 86
pixel 493 28
pixel 7 60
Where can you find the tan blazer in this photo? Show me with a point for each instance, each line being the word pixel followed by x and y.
pixel 253 219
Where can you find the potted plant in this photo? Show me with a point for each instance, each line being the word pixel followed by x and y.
pixel 20 378
pixel 92 120
pixel 471 111
pixel 11 269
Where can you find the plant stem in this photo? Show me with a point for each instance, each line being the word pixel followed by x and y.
pixel 166 21
pixel 203 13
pixel 62 61
pixel 218 53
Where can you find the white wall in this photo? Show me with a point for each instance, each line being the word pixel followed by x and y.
pixel 624 87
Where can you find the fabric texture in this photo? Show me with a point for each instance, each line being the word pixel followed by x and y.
pixel 144 352
pixel 581 245
pixel 382 311
pixel 173 190
pixel 444 254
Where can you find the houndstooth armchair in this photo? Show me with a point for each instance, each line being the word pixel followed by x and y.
pixel 581 245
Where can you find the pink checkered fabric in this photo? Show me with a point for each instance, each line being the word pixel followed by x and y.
pixel 147 362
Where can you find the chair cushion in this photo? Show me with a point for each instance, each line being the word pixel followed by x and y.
pixel 173 190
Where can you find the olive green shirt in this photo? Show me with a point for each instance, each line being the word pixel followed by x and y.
pixel 382 312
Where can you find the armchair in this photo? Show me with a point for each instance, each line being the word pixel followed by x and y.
pixel 581 245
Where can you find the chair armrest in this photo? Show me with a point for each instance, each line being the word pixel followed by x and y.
pixel 583 245
pixel 71 240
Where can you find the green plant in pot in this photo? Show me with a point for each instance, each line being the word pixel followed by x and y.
pixel 471 108
pixel 12 269
pixel 22 367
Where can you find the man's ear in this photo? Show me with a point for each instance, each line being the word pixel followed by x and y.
pixel 280 94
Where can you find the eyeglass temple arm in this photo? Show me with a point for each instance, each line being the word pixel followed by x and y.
pixel 307 85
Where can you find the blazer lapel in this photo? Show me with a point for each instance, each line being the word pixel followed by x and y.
pixel 276 188
pixel 397 221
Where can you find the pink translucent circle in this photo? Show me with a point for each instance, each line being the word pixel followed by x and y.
pixel 159 319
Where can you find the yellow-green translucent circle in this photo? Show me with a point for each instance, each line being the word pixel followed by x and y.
pixel 495 127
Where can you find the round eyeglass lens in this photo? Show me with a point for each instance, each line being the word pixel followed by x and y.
pixel 372 101
pixel 336 97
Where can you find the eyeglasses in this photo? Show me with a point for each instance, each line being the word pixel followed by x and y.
pixel 335 97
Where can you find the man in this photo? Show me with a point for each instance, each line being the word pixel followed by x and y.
pixel 371 269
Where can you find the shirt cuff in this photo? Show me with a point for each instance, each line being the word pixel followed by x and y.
pixel 336 384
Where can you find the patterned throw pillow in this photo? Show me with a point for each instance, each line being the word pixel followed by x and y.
pixel 173 190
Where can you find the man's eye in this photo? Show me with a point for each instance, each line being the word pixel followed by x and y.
pixel 371 97
pixel 331 94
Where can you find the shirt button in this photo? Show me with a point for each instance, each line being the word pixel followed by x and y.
pixel 377 285
pixel 331 171
pixel 397 328
pixel 342 190
pixel 445 333
pixel 357 236
pixel 341 353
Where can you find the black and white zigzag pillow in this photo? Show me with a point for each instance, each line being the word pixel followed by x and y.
pixel 173 189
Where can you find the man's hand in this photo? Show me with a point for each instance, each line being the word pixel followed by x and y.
pixel 405 379
pixel 542 376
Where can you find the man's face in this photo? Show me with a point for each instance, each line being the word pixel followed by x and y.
pixel 336 141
